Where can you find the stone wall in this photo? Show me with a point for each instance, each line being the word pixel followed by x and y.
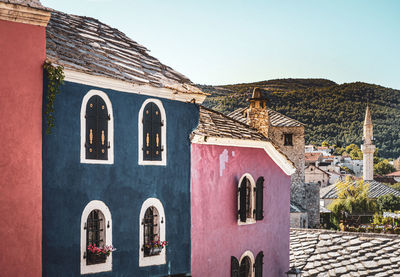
pixel 312 204
pixel 298 220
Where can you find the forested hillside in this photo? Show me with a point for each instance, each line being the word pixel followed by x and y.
pixel 330 111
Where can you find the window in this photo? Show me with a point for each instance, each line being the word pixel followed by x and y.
pixel 288 140
pixel 96 129
pixel 152 229
pixel 152 133
pixel 247 266
pixel 250 199
pixel 96 229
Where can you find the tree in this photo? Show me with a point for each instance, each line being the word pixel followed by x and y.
pixel 325 143
pixel 388 202
pixel 356 154
pixel 338 151
pixel 352 199
pixel 383 168
pixel 396 186
pixel 351 147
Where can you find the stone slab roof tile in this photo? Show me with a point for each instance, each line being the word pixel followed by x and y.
pixel 28 3
pixel 364 259
pixel 276 119
pixel 376 189
pixel 87 45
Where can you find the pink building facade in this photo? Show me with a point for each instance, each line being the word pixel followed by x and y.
pixel 22 52
pixel 218 166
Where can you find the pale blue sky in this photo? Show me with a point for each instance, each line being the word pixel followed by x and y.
pixel 236 41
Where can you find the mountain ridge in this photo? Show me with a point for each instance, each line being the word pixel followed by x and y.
pixel 330 111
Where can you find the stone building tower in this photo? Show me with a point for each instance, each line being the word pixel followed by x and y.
pixel 288 135
pixel 368 148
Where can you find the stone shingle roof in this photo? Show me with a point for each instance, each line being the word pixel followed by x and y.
pixel 295 208
pixel 276 119
pixel 216 124
pixel 28 3
pixel 325 253
pixel 87 45
pixel 376 189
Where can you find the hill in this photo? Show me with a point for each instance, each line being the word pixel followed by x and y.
pixel 330 111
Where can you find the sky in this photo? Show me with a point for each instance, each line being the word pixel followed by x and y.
pixel 220 42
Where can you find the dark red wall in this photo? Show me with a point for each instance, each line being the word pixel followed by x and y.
pixel 22 53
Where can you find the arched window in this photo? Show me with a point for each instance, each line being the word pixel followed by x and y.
pixel 246 201
pixel 152 133
pixel 96 128
pixel 244 267
pixel 152 233
pixel 96 230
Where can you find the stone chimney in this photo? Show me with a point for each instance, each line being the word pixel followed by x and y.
pixel 257 113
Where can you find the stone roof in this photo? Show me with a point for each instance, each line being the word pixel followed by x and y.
pixel 276 119
pixel 296 208
pixel 28 3
pixel 87 45
pixel 325 253
pixel 376 189
pixel 216 124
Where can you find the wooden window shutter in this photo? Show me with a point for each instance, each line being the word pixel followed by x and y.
pixel 242 200
pixel 156 133
pixel 91 128
pixel 147 132
pixel 102 134
pixel 259 264
pixel 234 267
pixel 260 198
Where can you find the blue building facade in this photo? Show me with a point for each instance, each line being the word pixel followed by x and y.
pixel 121 184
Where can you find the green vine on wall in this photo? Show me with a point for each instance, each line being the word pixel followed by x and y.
pixel 55 76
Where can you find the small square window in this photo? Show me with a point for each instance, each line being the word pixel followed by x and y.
pixel 288 140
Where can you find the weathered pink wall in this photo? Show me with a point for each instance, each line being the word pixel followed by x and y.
pixel 22 53
pixel 216 236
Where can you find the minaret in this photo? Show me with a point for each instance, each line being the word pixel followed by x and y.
pixel 368 148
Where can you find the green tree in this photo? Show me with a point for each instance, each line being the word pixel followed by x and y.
pixel 388 202
pixel 383 168
pixel 351 147
pixel 352 199
pixel 356 154
pixel 338 151
pixel 396 186
pixel 325 143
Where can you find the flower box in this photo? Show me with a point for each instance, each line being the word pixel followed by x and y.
pixel 94 258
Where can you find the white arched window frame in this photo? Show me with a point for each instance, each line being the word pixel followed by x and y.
pixel 107 266
pixel 249 254
pixel 86 98
pixel 163 134
pixel 251 219
pixel 161 258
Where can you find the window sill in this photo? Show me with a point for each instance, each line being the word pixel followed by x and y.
pixel 249 221
pixel 162 163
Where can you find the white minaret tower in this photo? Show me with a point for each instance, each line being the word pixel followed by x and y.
pixel 368 148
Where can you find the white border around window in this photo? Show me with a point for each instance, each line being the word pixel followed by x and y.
pixel 249 254
pixel 163 134
pixel 110 154
pixel 251 220
pixel 107 266
pixel 161 258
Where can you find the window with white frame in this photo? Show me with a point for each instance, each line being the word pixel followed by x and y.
pixel 97 129
pixel 250 199
pixel 152 249
pixel 96 231
pixel 247 266
pixel 152 133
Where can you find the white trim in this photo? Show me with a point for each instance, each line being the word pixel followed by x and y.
pixel 23 14
pixel 163 134
pixel 161 258
pixel 110 158
pixel 271 150
pixel 252 219
pixel 107 266
pixel 110 83
pixel 249 254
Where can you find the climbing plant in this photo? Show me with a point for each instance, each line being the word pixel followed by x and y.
pixel 55 76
